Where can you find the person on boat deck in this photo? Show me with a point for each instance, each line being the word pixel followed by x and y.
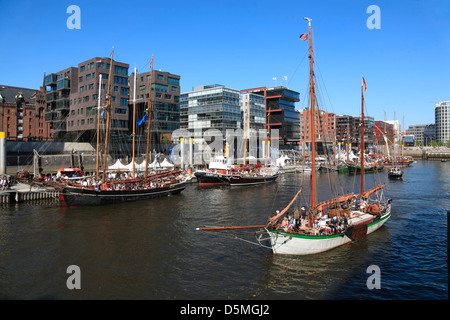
pixel 291 220
pixel 285 224
pixel 363 204
pixel 297 217
pixel 303 213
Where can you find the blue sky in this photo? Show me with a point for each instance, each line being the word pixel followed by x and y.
pixel 245 44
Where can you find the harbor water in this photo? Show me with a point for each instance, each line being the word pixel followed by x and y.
pixel 152 249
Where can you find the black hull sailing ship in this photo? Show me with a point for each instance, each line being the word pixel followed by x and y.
pixel 206 178
pixel 75 196
pixel 108 191
pixel 251 180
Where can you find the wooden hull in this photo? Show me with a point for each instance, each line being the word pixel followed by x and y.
pixel 251 180
pixel 357 169
pixel 75 196
pixel 297 244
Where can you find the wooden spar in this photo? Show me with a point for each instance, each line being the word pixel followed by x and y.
pixel 374 189
pixel 362 136
pixel 312 124
pixel 134 119
pixel 149 117
pixel 233 228
pixel 98 127
pixel 335 201
pixel 274 218
pixel 246 128
pixel 108 109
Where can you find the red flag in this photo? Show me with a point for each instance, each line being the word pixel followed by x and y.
pixel 364 85
pixel 304 37
pixel 151 63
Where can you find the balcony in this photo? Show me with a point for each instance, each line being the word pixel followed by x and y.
pixel 50 79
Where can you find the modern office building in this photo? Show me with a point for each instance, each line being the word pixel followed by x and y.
pixel 57 95
pixel 442 121
pixel 72 99
pixel 22 114
pixel 346 123
pixel 325 124
pixel 165 105
pixel 210 107
pixel 257 108
pixel 281 113
pixel 423 133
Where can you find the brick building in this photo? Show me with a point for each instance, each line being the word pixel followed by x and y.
pixel 325 124
pixel 22 113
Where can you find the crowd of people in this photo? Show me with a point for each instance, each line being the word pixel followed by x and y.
pixel 5 183
pixel 317 224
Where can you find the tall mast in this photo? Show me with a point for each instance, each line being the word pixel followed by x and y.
pixel 348 143
pixel 108 107
pixel 246 128
pixel 312 125
pixel 149 117
pixel 362 136
pixel 134 118
pixel 98 125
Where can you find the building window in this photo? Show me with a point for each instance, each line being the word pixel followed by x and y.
pixel 174 81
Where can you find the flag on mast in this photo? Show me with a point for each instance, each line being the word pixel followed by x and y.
pixel 304 37
pixel 364 84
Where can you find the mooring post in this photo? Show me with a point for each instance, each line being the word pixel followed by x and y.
pixel 2 152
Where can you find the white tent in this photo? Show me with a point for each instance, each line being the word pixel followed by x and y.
pixel 117 166
pixel 166 164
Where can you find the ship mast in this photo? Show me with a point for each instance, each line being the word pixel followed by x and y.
pixel 246 128
pixel 134 119
pixel 149 118
pixel 362 136
pixel 108 107
pixel 98 125
pixel 312 122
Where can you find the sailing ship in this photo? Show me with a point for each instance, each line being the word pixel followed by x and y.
pixel 218 172
pixel 256 174
pixel 348 219
pixel 107 191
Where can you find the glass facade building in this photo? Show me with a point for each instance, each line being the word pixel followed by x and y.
pixel 442 121
pixel 210 107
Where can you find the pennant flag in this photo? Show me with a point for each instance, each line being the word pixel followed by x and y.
pixel 142 120
pixel 151 63
pixel 364 85
pixel 304 37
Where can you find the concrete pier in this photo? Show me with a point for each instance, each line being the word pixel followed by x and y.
pixel 21 192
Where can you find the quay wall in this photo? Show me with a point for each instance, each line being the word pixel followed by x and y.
pixel 429 154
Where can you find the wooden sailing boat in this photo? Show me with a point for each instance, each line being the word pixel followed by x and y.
pixel 353 222
pixel 109 191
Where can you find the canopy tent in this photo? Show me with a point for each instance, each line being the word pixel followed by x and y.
pixel 118 166
pixel 166 164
